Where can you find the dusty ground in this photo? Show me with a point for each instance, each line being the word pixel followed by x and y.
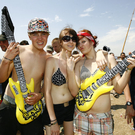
pixel 118 110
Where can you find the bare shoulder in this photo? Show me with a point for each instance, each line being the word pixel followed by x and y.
pixel 48 55
pixel 80 62
pixel 110 57
pixel 50 60
pixel 21 48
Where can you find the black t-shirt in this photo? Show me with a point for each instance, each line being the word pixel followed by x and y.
pixel 4 85
pixel 132 87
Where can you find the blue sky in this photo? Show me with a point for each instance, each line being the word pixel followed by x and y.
pixel 108 19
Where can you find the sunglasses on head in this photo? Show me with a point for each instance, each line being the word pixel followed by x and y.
pixel 68 38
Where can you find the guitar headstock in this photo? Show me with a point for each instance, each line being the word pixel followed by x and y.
pixel 7 25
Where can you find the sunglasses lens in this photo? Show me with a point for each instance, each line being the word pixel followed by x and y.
pixel 73 39
pixel 66 38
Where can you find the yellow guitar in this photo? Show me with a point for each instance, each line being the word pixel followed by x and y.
pixel 96 85
pixel 25 113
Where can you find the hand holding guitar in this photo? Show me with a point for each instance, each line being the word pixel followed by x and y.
pixel 132 61
pixel 11 51
pixel 33 98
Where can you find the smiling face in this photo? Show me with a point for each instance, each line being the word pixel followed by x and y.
pixel 85 45
pixel 39 39
pixel 68 41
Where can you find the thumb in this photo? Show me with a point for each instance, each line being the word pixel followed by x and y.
pixel 77 59
pixel 31 94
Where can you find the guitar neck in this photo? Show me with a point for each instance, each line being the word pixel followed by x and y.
pixel 111 73
pixel 20 74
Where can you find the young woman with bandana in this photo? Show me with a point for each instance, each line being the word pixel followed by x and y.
pixel 96 120
pixel 60 103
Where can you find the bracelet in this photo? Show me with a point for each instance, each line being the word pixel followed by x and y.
pixel 53 120
pixel 52 123
pixel 128 69
pixel 7 58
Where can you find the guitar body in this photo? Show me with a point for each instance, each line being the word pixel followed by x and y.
pixel 87 95
pixel 25 113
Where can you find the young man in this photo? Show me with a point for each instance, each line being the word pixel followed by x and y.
pixel 4 45
pixel 3 42
pixel 32 59
pixel 56 45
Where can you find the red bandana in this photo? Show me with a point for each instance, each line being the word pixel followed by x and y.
pixel 87 35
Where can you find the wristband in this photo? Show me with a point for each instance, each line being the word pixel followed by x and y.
pixel 7 58
pixel 52 123
pixel 53 120
pixel 128 69
pixel 128 103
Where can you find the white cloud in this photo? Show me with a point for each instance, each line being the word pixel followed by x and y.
pixel 57 19
pixel 86 12
pixel 89 9
pixel 49 20
pixel 133 18
pixel 83 15
pixel 104 13
pixel 109 17
pixel 115 40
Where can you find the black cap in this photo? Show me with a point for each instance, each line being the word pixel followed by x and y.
pixel 3 37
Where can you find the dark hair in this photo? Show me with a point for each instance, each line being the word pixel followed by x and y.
pixel 68 30
pixel 87 31
pixel 122 53
pixel 75 52
pixel 24 42
pixel 54 40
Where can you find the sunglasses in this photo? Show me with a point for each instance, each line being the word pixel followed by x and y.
pixel 68 38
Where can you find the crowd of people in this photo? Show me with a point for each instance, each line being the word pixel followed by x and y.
pixel 59 78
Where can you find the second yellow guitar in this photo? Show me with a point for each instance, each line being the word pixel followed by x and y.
pixel 96 85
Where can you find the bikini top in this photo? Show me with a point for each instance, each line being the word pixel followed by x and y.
pixel 58 78
pixel 85 73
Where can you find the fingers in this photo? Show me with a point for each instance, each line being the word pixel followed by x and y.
pixel 13 48
pixel 13 45
pixel 131 60
pixel 101 65
pixel 74 59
